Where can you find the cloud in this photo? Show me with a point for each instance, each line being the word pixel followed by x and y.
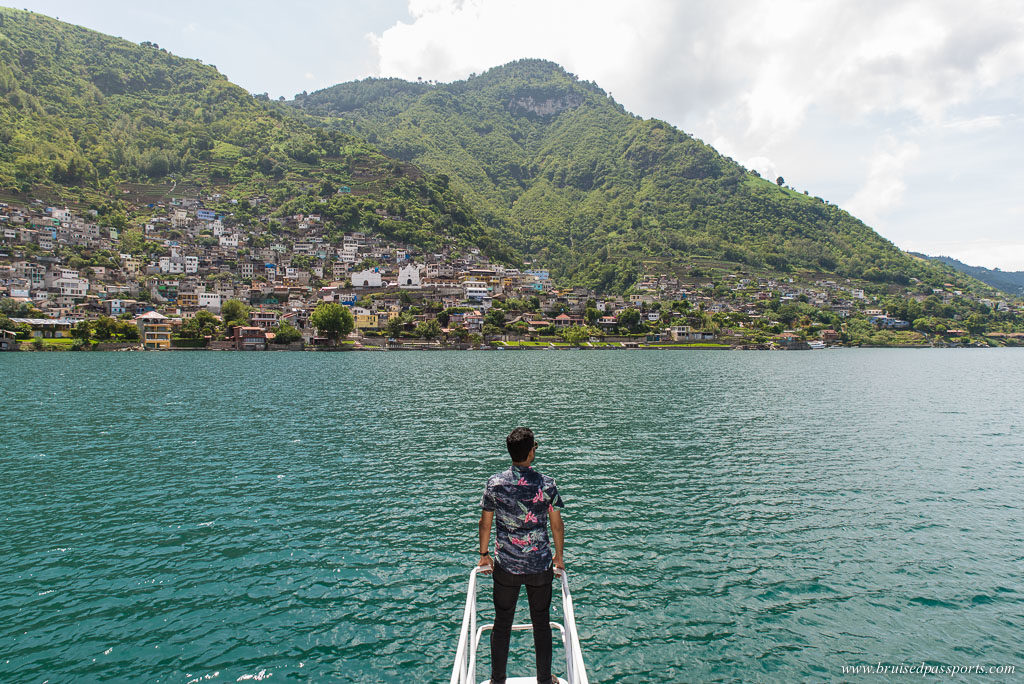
pixel 885 186
pixel 978 123
pixel 775 59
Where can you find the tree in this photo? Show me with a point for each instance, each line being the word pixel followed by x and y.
pixel 81 331
pixel 332 320
pixel 591 315
pixel 285 333
pixel 630 318
pixel 234 312
pixel 495 317
pixel 105 327
pixel 202 324
pixel 780 181
pixel 132 241
pixel 429 329
pixel 575 334
pixel 127 330
pixel 21 330
pixel 395 326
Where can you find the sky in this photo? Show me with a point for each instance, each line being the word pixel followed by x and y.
pixel 907 113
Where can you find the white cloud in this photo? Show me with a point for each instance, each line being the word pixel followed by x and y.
pixel 764 166
pixel 978 123
pixel 884 187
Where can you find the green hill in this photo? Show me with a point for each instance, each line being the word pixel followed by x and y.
pixel 568 177
pixel 1010 282
pixel 86 118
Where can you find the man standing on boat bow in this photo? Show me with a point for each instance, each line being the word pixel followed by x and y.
pixel 522 501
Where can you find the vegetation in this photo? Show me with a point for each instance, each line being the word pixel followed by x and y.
pixel 1010 282
pixel 565 175
pixel 235 312
pixel 333 320
pixel 201 325
pixel 285 333
pixel 103 329
pixel 85 117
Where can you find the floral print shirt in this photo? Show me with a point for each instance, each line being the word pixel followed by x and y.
pixel 521 499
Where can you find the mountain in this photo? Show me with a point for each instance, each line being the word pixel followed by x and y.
pixel 86 118
pixel 1010 282
pixel 525 161
pixel 570 179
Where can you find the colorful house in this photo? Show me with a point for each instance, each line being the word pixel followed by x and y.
pixel 154 330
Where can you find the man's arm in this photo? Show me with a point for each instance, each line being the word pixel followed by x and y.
pixel 486 565
pixel 558 532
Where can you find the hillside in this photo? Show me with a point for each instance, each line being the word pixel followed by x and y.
pixel 1010 282
pixel 568 177
pixel 525 161
pixel 89 120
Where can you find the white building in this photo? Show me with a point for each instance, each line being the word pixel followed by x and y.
pixel 476 289
pixel 209 300
pixel 348 253
pixel 191 264
pixel 368 278
pixel 72 287
pixel 409 277
pixel 172 265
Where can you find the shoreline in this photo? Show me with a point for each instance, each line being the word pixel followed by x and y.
pixel 527 348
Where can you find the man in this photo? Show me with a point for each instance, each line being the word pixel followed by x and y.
pixel 522 500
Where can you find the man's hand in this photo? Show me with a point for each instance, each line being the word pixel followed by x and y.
pixel 485 565
pixel 558 532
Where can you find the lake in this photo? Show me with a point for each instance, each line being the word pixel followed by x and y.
pixel 772 516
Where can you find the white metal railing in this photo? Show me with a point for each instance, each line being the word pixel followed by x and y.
pixel 464 670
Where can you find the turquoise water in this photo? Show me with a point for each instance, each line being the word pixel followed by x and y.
pixel 730 516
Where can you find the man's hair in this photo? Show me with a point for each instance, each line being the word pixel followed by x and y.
pixel 519 443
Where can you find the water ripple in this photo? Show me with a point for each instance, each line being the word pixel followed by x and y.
pixel 240 517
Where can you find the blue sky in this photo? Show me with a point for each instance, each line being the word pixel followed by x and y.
pixel 907 113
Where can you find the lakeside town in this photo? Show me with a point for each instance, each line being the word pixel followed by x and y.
pixel 192 277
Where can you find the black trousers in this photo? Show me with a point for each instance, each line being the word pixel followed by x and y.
pixel 506 594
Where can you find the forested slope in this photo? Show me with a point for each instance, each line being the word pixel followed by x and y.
pixel 570 177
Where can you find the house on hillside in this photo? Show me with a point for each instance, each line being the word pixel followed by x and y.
pixel 249 338
pixel 154 330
